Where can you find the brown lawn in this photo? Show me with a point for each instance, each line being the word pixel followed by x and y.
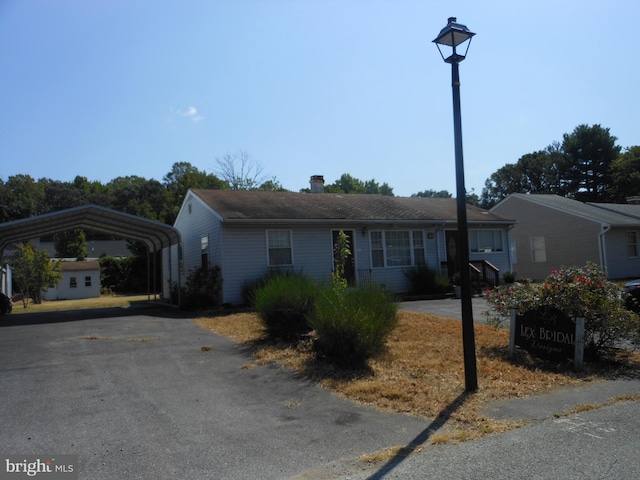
pixel 422 371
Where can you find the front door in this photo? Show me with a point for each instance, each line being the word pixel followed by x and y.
pixel 350 264
pixel 453 262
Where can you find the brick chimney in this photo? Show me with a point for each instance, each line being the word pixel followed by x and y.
pixel 634 200
pixel 317 184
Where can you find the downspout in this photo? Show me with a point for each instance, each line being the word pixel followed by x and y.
pixel 510 256
pixel 603 248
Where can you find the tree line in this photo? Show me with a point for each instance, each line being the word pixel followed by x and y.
pixel 22 196
pixel 587 165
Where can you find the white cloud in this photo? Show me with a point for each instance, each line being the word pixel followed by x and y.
pixel 191 113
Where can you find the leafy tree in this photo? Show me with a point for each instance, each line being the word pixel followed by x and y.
pixel 625 175
pixel 272 185
pixel 24 196
pixel 33 272
pixel 591 151
pixel 349 184
pixel 180 179
pixel 240 171
pixel 537 172
pixel 139 196
pixel 433 194
pixel 61 195
pixel 71 244
pixel 579 167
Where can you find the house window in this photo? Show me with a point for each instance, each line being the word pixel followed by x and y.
pixel 538 250
pixel 279 247
pixel 73 283
pixel 485 240
pixel 204 252
pixel 87 281
pixel 397 248
pixel 632 244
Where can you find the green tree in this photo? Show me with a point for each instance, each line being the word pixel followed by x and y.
pixel 349 184
pixel 272 185
pixel 61 195
pixel 625 175
pixel 139 196
pixel 433 194
pixel 591 150
pixel 181 178
pixel 71 244
pixel 24 197
pixel 33 272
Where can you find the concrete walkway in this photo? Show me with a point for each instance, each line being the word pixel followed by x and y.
pixel 447 307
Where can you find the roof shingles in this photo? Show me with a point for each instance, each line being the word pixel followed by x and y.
pixel 258 205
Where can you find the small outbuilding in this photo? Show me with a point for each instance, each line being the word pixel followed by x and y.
pixel 79 280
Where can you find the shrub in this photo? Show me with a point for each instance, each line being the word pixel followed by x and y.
pixel 251 287
pixel 203 288
pixel 577 292
pixel 283 304
pixel 426 281
pixel 352 325
pixel 509 277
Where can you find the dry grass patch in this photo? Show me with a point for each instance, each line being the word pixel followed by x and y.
pixel 422 372
pixel 104 301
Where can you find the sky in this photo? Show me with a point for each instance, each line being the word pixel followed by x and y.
pixel 111 88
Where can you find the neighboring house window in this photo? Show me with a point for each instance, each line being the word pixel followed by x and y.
pixel 279 247
pixel 73 283
pixel 632 244
pixel 485 240
pixel 204 251
pixel 397 248
pixel 87 281
pixel 538 250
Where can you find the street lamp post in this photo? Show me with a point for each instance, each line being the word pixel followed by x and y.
pixel 455 35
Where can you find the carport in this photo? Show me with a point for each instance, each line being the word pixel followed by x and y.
pixel 154 235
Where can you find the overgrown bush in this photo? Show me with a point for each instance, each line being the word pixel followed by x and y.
pixel 426 281
pixel 577 292
pixel 251 287
pixel 203 288
pixel 283 304
pixel 352 325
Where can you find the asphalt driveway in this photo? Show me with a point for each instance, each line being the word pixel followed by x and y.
pixel 133 394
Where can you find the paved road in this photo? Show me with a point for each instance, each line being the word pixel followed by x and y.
pixel 447 307
pixel 133 394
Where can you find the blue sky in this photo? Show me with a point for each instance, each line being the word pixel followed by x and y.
pixel 108 88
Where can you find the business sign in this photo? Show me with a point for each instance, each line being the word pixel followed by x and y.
pixel 546 333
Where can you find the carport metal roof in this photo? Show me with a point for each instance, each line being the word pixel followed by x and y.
pixel 154 235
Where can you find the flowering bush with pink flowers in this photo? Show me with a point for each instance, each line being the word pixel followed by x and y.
pixel 578 292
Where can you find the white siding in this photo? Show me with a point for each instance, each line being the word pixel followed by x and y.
pixel 63 290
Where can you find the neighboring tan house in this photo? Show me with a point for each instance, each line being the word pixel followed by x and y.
pixel 79 280
pixel 553 232
pixel 249 233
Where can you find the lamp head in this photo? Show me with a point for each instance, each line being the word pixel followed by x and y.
pixel 454 35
